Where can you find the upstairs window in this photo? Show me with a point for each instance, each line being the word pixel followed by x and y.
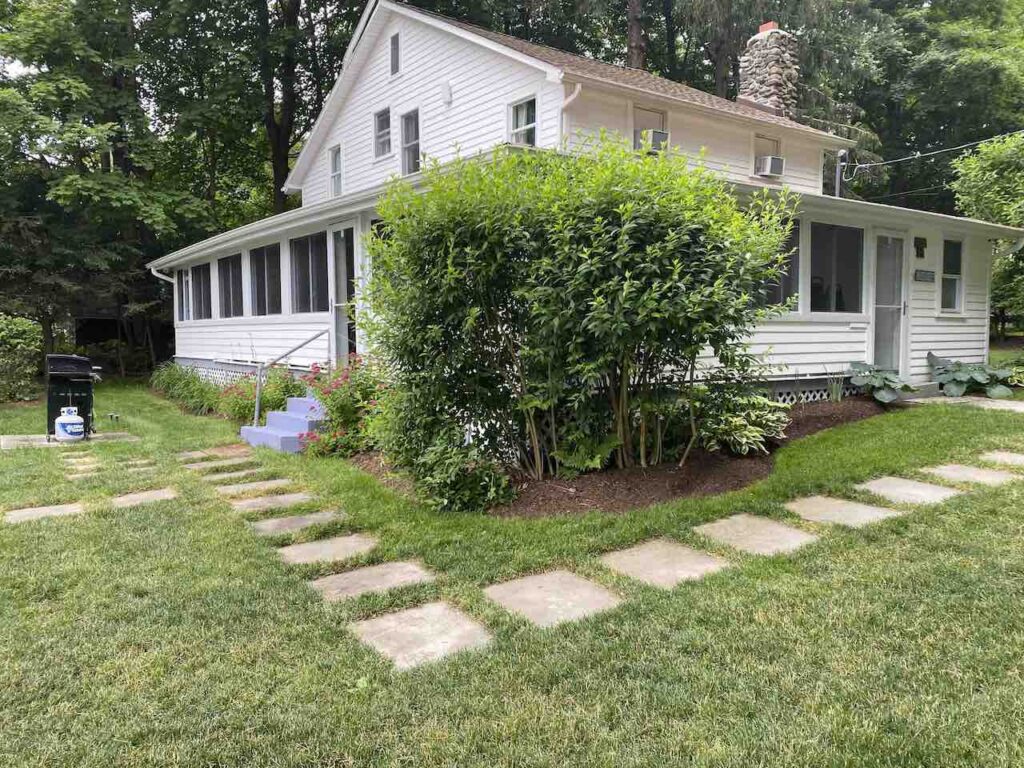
pixel 524 123
pixel 184 295
pixel 952 275
pixel 265 271
pixel 411 142
pixel 837 268
pixel 396 61
pixel 335 160
pixel 229 282
pixel 766 146
pixel 788 284
pixel 202 305
pixel 645 122
pixel 309 273
pixel 382 133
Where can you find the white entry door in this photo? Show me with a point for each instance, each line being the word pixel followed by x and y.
pixel 343 329
pixel 890 303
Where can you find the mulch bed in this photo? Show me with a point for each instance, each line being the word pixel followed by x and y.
pixel 705 474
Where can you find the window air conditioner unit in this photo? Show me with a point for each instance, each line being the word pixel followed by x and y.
pixel 770 166
pixel 656 140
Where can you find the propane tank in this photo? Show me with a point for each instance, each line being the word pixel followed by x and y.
pixel 69 427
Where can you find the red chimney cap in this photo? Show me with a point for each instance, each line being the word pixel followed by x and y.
pixel 768 26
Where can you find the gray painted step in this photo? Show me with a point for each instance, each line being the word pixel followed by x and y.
pixel 268 437
pixel 293 422
pixel 309 407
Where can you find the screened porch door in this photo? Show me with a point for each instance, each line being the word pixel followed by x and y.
pixel 344 322
pixel 890 305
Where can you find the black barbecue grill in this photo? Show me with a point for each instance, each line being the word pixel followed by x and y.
pixel 69 381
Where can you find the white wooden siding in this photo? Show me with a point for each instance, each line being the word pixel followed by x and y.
pixel 253 339
pixel 483 85
pixel 728 147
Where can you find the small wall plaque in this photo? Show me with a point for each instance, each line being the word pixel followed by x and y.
pixel 924 276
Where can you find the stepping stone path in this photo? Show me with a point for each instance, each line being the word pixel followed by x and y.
pixel 756 535
pixel 548 599
pixel 327 550
pixel 262 485
pixel 220 452
pixel 221 464
pixel 143 497
pixel 375 578
pixel 1004 457
pixel 38 513
pixel 263 503
pixel 423 634
pixel 822 509
pixel 959 473
pixel 899 490
pixel 294 523
pixel 241 474
pixel 663 563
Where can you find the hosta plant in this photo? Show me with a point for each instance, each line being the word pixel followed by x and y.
pixel 884 386
pixel 958 379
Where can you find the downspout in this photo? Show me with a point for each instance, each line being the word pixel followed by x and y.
pixel 561 115
pixel 153 271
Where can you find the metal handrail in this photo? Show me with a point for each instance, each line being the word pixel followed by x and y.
pixel 263 366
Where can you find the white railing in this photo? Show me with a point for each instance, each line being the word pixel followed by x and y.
pixel 263 367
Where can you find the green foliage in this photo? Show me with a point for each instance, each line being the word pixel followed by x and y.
pixel 884 386
pixel 958 379
pixel 735 417
pixel 555 306
pixel 456 476
pixel 20 350
pixel 350 396
pixel 184 386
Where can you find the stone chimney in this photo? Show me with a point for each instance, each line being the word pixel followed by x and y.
pixel 770 71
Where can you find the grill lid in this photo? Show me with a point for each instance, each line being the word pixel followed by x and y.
pixel 68 364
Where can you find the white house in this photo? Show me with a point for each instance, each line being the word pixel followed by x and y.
pixel 874 283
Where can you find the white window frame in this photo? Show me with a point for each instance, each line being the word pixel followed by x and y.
pixel 395 54
pixel 754 155
pixel 406 145
pixel 513 131
pixel 943 276
pixel 334 170
pixel 650 110
pixel 209 299
pixel 379 135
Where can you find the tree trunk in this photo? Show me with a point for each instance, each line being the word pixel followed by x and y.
pixel 721 57
pixel 278 118
pixel 636 46
pixel 671 40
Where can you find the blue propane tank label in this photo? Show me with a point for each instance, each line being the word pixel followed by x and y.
pixel 72 430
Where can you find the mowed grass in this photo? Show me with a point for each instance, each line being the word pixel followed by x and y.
pixel 170 635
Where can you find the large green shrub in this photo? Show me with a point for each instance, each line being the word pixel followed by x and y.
pixel 21 346
pixel 550 306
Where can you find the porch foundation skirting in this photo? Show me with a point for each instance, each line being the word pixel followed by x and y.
pixel 224 372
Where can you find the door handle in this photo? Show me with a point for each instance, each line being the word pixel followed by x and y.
pixel 904 309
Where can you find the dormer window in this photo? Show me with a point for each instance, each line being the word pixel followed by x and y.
pixel 335 160
pixel 524 123
pixel 396 61
pixel 382 133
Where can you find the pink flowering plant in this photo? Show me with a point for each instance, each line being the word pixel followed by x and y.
pixel 350 396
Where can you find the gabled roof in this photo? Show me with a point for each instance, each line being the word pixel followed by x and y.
pixel 558 64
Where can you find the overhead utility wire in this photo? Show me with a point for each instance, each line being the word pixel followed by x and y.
pixel 919 155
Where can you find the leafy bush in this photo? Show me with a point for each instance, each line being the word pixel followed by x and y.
pixel 884 386
pixel 455 476
pixel 958 379
pixel 554 307
pixel 236 401
pixel 350 395
pixel 737 418
pixel 1016 378
pixel 21 347
pixel 186 387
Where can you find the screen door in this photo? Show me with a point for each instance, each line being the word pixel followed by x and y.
pixel 889 306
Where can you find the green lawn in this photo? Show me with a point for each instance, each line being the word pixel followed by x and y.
pixel 170 635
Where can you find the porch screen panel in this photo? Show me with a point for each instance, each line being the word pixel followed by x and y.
pixel 202 305
pixel 184 295
pixel 229 282
pixel 788 285
pixel 350 287
pixel 837 268
pixel 309 274
pixel 265 266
